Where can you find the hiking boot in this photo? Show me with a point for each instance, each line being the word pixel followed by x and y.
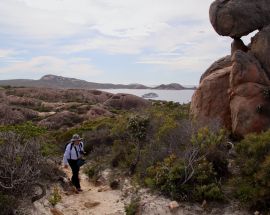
pixel 79 190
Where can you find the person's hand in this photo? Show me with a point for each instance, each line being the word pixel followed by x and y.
pixel 65 166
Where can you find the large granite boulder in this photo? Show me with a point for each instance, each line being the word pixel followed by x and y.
pixel 236 89
pixel 211 99
pixel 237 96
pixel 249 110
pixel 236 18
pixel 248 82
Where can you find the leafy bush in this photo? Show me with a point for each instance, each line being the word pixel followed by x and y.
pixel 171 178
pixel 252 184
pixel 197 173
pixel 137 127
pixel 213 145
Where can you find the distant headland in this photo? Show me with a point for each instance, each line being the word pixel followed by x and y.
pixel 54 81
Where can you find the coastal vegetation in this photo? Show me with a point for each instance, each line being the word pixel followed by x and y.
pixel 158 147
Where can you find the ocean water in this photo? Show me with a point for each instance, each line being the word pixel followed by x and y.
pixel 180 96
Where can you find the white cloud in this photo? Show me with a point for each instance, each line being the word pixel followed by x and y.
pixel 120 18
pixel 5 53
pixel 42 65
pixel 120 26
pixel 173 34
pixel 190 56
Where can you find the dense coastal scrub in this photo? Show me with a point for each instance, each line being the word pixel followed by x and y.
pixel 158 147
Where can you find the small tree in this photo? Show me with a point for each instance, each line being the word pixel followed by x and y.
pixel 137 129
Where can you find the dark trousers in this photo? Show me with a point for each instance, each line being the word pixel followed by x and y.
pixel 75 173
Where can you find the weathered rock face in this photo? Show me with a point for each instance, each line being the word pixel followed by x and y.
pixel 236 89
pixel 126 101
pixel 236 18
pixel 245 110
pixel 260 47
pixel 246 68
pixel 248 82
pixel 211 99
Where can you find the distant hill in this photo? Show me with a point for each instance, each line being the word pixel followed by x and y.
pixel 172 86
pixel 54 81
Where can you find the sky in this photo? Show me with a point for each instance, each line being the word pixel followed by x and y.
pixel 109 41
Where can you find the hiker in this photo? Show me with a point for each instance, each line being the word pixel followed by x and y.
pixel 73 156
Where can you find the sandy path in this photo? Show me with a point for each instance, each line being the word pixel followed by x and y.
pixel 88 202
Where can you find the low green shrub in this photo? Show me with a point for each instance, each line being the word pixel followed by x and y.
pixel 252 184
pixel 172 179
pixel 93 171
pixel 133 207
pixel 55 197
pixel 26 130
pixel 197 171
pixel 123 153
pixel 49 149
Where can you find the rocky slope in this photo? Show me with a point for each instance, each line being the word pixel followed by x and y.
pixel 235 90
pixel 59 108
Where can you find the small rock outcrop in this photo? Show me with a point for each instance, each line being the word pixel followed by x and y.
pixel 126 101
pixel 235 90
pixel 61 120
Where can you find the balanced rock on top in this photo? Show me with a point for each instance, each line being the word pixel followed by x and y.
pixel 236 18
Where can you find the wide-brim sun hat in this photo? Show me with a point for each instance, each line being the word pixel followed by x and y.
pixel 76 137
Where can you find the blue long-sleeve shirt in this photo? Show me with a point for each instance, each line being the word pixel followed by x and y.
pixel 72 154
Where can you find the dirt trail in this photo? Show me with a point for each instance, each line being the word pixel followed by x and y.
pixel 102 200
pixel 90 201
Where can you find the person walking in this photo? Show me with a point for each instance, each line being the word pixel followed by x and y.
pixel 73 156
